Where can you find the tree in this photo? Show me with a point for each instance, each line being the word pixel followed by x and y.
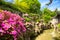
pixel 8 6
pixel 29 6
pixel 49 2
pixel 47 15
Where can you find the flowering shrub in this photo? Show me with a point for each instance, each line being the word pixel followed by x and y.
pixel 11 23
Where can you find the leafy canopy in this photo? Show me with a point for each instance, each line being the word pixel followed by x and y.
pixel 29 6
pixel 47 15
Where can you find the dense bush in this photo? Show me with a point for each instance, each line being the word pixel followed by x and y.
pixel 8 6
pixel 11 24
pixel 58 25
pixel 28 6
pixel 47 15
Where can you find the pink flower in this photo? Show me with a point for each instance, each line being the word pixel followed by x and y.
pixel 7 13
pixel 13 32
pixel 1 30
pixel 1 16
pixel 6 26
pixel 15 37
pixel 11 24
pixel 22 26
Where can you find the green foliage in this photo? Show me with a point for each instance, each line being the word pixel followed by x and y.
pixel 47 15
pixel 8 6
pixel 58 25
pixel 29 6
pixel 6 37
pixel 46 18
pixel 32 17
pixel 49 12
pixel 27 19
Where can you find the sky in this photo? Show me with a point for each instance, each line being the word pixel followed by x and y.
pixel 55 4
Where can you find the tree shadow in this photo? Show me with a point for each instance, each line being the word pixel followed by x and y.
pixel 56 38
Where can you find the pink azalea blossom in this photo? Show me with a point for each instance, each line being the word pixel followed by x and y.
pixel 13 32
pixel 6 26
pixel 1 16
pixel 1 30
pixel 11 24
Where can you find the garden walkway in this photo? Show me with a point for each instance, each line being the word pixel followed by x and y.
pixel 46 35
